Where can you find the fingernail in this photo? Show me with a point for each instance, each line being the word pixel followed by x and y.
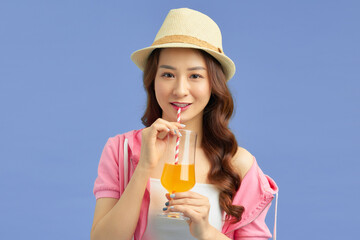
pixel 172 195
pixel 165 208
pixel 180 134
pixel 174 131
pixel 183 125
pixel 167 203
pixel 171 207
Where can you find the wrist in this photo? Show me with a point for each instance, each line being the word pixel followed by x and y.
pixel 212 233
pixel 142 171
pixel 145 163
pixel 209 234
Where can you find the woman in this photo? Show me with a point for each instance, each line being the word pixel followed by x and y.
pixel 184 67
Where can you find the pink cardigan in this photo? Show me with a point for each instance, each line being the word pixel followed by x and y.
pixel 255 193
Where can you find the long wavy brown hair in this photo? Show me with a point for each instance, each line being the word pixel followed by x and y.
pixel 218 142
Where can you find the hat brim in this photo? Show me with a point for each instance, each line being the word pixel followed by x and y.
pixel 140 57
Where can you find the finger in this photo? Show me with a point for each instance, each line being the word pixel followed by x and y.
pixel 167 195
pixel 188 198
pixel 171 125
pixel 162 134
pixel 170 130
pixel 194 213
pixel 179 125
pixel 184 208
pixel 188 194
pixel 178 128
pixel 175 130
pixel 189 201
pixel 159 130
pixel 162 122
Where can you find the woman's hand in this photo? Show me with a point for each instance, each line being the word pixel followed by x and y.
pixel 153 142
pixel 194 206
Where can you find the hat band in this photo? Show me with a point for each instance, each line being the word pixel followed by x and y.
pixel 186 39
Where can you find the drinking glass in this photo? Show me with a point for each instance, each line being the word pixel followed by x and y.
pixel 178 174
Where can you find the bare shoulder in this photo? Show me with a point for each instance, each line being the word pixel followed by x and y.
pixel 242 161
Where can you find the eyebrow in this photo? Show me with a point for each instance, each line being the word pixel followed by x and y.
pixel 167 67
pixel 196 68
pixel 189 69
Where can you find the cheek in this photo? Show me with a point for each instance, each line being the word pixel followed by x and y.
pixel 160 91
pixel 203 93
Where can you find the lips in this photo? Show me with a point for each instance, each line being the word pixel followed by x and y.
pixel 183 106
pixel 180 104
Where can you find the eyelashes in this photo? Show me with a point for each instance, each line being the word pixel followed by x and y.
pixel 167 75
pixel 170 75
pixel 196 76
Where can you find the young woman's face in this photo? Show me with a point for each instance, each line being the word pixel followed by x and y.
pixel 182 81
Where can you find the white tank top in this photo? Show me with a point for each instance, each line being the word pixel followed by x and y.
pixel 162 228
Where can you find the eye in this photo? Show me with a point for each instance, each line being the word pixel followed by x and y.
pixel 195 76
pixel 167 75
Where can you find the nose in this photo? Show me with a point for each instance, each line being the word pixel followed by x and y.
pixel 181 88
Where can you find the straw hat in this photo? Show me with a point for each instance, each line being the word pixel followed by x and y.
pixel 187 28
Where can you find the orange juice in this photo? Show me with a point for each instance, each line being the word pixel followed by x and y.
pixel 178 177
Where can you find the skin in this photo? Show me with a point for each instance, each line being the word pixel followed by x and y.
pixel 181 77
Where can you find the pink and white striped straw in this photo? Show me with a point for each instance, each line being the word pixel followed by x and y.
pixel 177 139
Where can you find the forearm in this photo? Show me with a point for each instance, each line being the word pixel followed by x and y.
pixel 120 222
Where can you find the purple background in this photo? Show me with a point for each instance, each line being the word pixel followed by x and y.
pixel 67 84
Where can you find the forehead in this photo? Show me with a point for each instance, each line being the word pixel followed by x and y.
pixel 181 56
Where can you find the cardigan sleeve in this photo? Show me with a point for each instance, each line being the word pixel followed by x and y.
pixel 256 230
pixel 107 181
